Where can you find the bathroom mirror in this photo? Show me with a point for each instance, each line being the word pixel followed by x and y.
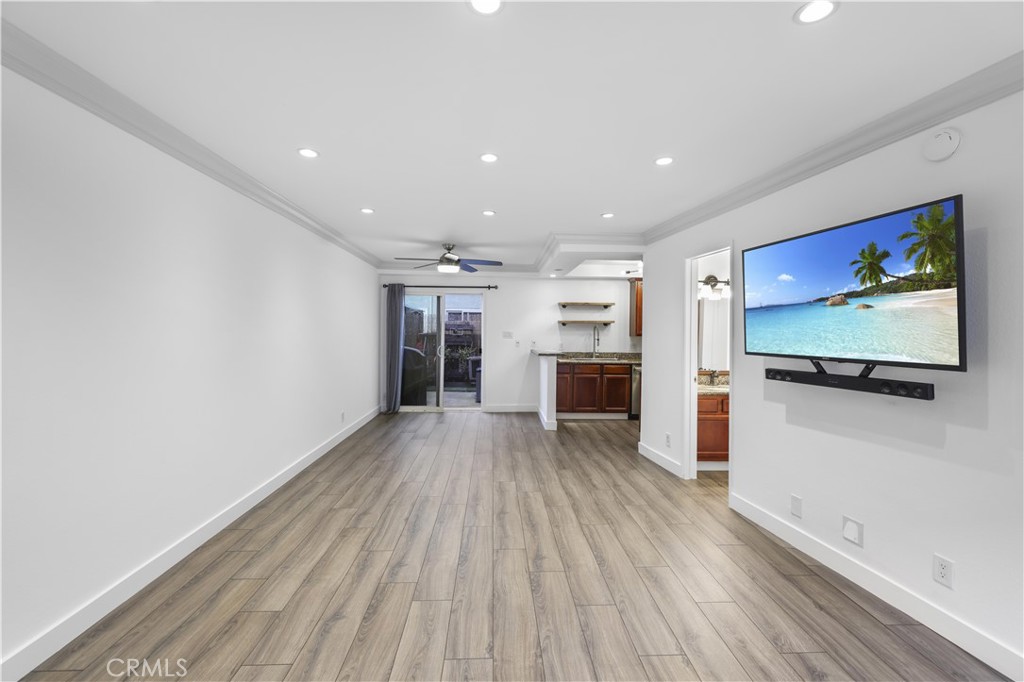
pixel 713 334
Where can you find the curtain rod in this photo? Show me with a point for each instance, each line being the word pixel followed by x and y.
pixel 441 286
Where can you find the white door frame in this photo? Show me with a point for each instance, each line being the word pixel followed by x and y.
pixel 691 363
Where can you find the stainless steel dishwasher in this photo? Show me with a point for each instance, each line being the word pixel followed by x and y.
pixel 634 385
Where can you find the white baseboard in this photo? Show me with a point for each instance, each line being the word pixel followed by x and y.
pixel 24 660
pixel 712 466
pixel 1000 656
pixel 511 408
pixel 548 424
pixel 659 459
pixel 591 415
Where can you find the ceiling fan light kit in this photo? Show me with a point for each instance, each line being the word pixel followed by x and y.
pixel 449 263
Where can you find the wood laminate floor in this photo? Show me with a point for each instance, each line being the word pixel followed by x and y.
pixel 471 546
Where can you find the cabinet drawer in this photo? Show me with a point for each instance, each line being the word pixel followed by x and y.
pixel 564 368
pixel 587 369
pixel 708 405
pixel 617 369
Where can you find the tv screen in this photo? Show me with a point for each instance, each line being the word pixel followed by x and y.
pixel 887 290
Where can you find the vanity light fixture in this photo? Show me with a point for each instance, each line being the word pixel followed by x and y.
pixel 709 288
pixel 814 11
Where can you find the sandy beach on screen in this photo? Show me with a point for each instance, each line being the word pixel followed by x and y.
pixel 938 298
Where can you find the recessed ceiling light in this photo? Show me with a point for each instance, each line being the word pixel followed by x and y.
pixel 814 11
pixel 485 6
pixel 488 213
pixel 664 161
pixel 367 211
pixel 607 215
pixel 488 158
pixel 309 153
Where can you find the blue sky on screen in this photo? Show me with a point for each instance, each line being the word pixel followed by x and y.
pixel 818 265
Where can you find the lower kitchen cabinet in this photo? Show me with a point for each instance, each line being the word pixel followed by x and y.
pixel 592 388
pixel 615 388
pixel 563 388
pixel 586 388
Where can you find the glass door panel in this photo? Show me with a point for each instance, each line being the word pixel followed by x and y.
pixel 462 350
pixel 422 351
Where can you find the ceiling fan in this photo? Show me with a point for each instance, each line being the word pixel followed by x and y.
pixel 449 262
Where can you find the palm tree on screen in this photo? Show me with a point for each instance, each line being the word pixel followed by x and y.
pixel 869 265
pixel 934 245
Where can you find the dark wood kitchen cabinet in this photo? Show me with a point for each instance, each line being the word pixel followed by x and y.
pixel 563 388
pixel 615 388
pixel 586 388
pixel 595 387
pixel 636 307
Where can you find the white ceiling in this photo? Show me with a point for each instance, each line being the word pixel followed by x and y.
pixel 577 99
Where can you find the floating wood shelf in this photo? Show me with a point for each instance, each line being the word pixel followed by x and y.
pixel 590 322
pixel 585 304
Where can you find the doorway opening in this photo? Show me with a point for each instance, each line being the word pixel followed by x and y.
pixel 443 352
pixel 710 343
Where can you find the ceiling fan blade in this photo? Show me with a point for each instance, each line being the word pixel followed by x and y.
pixel 432 264
pixel 477 261
pixel 432 260
pixel 466 266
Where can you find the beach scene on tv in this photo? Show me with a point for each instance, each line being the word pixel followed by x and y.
pixel 880 290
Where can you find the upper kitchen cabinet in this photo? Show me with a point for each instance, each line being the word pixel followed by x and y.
pixel 636 307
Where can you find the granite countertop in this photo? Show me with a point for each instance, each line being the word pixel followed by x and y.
pixel 712 390
pixel 579 358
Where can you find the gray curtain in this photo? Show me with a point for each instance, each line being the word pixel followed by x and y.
pixel 394 342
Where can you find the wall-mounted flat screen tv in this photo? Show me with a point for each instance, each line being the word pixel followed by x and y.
pixel 887 290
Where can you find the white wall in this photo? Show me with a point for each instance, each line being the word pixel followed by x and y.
pixel 528 307
pixel 924 477
pixel 169 346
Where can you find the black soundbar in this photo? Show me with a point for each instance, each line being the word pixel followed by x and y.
pixel 893 387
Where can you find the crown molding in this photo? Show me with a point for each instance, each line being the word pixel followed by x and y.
pixel 30 58
pixel 586 246
pixel 992 83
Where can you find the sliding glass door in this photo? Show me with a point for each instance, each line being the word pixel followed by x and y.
pixel 421 354
pixel 442 362
pixel 463 366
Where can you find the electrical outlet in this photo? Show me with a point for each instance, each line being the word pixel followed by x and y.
pixel 796 506
pixel 942 571
pixel 517 343
pixel 853 531
pixel 668 440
